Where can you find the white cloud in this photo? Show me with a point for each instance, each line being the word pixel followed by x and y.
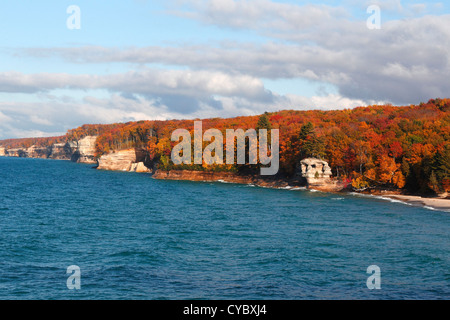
pixel 60 116
pixel 4 118
pixel 407 61
pixel 390 64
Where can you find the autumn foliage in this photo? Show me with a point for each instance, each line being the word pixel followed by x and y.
pixel 377 146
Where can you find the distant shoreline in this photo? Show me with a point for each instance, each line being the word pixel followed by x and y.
pixel 435 203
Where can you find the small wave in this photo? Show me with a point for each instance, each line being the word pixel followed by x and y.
pixel 391 200
pixel 337 198
pixel 379 197
pixel 251 185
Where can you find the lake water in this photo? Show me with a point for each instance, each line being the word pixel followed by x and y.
pixel 134 237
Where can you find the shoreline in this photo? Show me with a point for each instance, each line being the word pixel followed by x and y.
pixel 436 203
pixel 440 204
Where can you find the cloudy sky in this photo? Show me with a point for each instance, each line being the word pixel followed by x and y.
pixel 148 59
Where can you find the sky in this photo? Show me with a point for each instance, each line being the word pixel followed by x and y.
pixel 186 59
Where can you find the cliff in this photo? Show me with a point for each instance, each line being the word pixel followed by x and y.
pixel 84 150
pixel 37 152
pixel 60 151
pixel 77 151
pixel 124 160
pixel 16 152
pixel 230 177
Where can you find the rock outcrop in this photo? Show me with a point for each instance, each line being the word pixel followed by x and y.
pixel 17 152
pixel 77 151
pixel 228 177
pixel 318 175
pixel 84 150
pixel 61 151
pixel 38 152
pixel 123 160
pixel 139 167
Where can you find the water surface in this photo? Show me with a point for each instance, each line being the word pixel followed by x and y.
pixel 134 237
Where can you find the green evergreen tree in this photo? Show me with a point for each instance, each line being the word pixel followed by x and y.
pixel 306 130
pixel 264 122
pixel 310 144
pixel 441 163
pixel 434 184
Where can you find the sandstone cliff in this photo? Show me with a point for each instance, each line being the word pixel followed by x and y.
pixel 77 151
pixel 230 177
pixel 17 152
pixel 84 150
pixel 124 160
pixel 60 151
pixel 38 152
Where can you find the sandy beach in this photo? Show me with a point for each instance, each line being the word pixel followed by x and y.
pixel 435 203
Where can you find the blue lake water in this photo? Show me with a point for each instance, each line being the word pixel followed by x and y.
pixel 134 237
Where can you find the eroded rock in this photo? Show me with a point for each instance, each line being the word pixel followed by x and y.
pixel 318 174
pixel 123 160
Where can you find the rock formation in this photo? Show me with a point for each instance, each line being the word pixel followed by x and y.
pixel 123 160
pixel 84 150
pixel 227 177
pixel 77 151
pixel 315 170
pixel 60 151
pixel 318 175
pixel 38 152
pixel 17 152
pixel 139 167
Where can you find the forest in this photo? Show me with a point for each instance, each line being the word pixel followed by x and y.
pixel 379 146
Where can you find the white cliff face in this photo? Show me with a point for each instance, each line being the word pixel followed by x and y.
pixel 38 152
pixel 84 150
pixel 78 151
pixel 123 160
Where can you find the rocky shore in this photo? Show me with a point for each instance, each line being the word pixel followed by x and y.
pixel 315 174
pixel 327 185
pixel 229 177
pixel 81 151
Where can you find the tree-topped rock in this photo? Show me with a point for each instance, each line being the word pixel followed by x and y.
pixel 315 168
pixel 318 174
